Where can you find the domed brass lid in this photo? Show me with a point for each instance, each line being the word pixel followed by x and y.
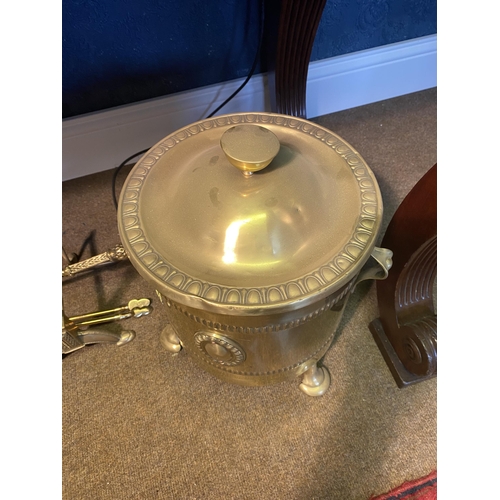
pixel 209 236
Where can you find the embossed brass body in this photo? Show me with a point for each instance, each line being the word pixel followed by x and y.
pixel 258 350
pixel 255 269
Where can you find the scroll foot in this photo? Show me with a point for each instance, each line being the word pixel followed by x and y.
pixel 100 336
pixel 169 340
pixel 315 381
pixel 125 337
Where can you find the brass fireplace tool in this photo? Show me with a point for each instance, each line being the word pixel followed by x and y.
pixel 78 331
pixel 115 254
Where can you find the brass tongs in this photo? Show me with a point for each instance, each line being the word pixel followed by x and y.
pixel 76 332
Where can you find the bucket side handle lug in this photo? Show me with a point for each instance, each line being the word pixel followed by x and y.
pixel 377 266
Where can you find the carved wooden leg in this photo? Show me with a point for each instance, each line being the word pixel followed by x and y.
pixel 406 331
pixel 291 53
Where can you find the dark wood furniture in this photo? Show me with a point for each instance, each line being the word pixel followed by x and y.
pixel 291 31
pixel 406 331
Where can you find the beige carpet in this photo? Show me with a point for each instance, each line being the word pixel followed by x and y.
pixel 141 423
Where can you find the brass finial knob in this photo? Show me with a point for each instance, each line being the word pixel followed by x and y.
pixel 249 147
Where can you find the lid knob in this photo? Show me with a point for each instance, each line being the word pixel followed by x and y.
pixel 249 148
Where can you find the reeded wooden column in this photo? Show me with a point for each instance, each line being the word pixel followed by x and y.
pixel 290 53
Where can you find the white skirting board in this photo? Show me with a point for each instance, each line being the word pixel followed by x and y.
pixel 102 140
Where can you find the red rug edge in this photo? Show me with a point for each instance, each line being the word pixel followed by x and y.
pixel 424 488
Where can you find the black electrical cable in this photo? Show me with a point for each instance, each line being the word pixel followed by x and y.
pixel 254 65
pixel 250 74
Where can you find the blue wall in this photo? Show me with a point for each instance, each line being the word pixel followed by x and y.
pixel 117 52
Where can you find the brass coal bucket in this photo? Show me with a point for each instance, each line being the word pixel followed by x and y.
pixel 254 228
